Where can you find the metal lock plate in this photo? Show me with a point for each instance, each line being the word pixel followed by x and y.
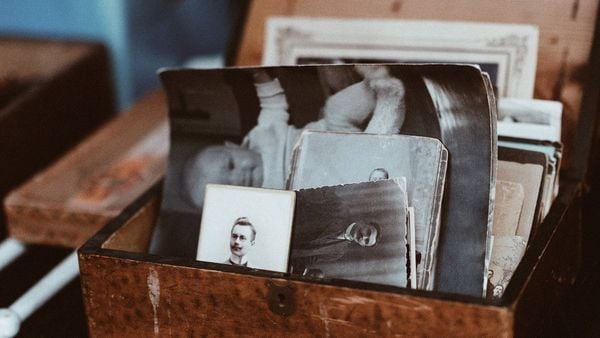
pixel 281 298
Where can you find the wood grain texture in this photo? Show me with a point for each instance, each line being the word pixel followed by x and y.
pixel 133 294
pixel 36 58
pixel 566 31
pixel 135 234
pixel 132 298
pixel 68 202
pixel 550 276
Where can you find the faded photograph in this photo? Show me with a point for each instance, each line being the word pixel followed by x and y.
pixel 422 161
pixel 246 227
pixel 354 232
pixel 506 256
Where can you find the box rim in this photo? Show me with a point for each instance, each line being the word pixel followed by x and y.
pixel 570 189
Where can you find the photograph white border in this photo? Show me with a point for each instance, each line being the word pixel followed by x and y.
pixel 513 47
pixel 270 211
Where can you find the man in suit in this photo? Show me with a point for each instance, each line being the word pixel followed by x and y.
pixel 330 245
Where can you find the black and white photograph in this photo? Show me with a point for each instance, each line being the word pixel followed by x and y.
pixel 507 52
pixel 354 232
pixel 271 106
pixel 355 158
pixel 246 227
pixel 530 119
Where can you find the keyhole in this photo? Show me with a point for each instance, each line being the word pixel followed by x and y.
pixel 281 297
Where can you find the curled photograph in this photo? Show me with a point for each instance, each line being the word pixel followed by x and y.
pixel 238 126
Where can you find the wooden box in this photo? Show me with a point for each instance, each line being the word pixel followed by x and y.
pixel 128 292
pixel 54 93
pixel 68 202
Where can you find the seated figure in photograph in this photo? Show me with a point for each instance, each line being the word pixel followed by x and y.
pixel 330 245
pixel 378 174
pixel 263 158
pixel 243 236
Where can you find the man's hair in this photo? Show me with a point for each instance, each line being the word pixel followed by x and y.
pixel 374 225
pixel 383 170
pixel 244 221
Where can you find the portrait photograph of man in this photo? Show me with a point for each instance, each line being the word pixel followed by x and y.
pixel 243 238
pixel 354 232
pixel 246 227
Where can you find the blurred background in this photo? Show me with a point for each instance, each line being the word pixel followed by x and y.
pixel 142 35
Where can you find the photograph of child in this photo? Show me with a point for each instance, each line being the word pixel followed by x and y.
pixel 263 158
pixel 269 107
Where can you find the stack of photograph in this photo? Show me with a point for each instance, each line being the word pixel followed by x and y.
pixel 377 173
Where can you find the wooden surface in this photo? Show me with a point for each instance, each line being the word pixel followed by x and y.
pixel 549 276
pixel 67 203
pixel 149 299
pixel 149 295
pixel 135 234
pixel 30 58
pixel 566 30
pixel 68 94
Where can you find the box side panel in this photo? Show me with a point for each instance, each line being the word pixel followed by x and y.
pixel 55 114
pixel 542 307
pixel 127 297
pixel 68 202
pixel 35 225
pixel 135 234
pixel 36 58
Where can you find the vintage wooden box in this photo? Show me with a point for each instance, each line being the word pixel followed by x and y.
pixel 52 94
pixel 68 202
pixel 128 292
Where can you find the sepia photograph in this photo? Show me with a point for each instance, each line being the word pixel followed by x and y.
pixel 507 252
pixel 270 107
pixel 353 231
pixel 529 169
pixel 246 227
pixel 507 52
pixel 510 197
pixel 553 152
